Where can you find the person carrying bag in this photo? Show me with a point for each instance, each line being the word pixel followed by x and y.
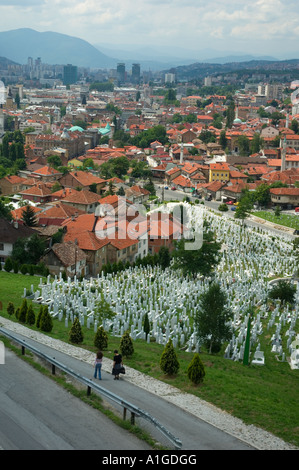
pixel 118 367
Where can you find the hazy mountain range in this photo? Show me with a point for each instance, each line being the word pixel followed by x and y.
pixel 56 48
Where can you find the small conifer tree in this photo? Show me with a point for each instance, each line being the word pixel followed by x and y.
pixel 75 334
pixel 126 345
pixel 101 339
pixel 8 265
pixel 169 363
pixel 39 315
pixel 30 316
pixel 17 313
pixel 196 371
pixel 46 322
pixel 23 311
pixel 146 325
pixel 10 308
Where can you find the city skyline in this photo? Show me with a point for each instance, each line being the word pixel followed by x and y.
pixel 263 27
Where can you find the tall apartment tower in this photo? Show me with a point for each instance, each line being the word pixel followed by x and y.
pixel 136 74
pixel 70 74
pixel 121 73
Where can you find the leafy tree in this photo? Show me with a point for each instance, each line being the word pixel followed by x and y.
pixel 196 371
pixel 244 145
pixel 198 261
pixel 262 194
pixel 284 291
pixel 101 339
pixel 5 211
pixel 256 143
pixel 169 363
pixel 244 207
pixel 54 161
pixel 75 333
pixel 126 345
pixel 211 318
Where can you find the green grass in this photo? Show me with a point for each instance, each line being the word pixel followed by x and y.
pixel 287 220
pixel 265 396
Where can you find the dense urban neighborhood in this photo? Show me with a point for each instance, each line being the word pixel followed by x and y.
pixel 77 147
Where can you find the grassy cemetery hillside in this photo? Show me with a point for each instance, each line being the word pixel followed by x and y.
pixel 263 393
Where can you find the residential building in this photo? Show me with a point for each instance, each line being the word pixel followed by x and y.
pixel 219 172
pixel 10 232
pixel 65 257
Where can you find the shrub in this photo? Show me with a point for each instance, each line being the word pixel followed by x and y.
pixel 39 315
pixel 75 334
pixel 8 265
pixel 101 338
pixel 30 316
pixel 46 322
pixel 169 363
pixel 10 308
pixel 23 311
pixel 126 345
pixel 24 269
pixel 223 207
pixel 196 371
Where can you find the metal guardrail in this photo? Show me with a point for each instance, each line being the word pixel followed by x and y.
pixel 127 406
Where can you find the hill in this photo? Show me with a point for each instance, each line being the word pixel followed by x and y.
pixel 53 48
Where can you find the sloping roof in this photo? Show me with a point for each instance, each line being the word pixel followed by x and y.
pixel 10 232
pixel 68 253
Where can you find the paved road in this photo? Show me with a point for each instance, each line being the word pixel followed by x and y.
pixel 37 414
pixel 194 433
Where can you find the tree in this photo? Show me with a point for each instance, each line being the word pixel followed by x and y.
pixel 10 308
pixel 39 316
pixel 196 371
pixel 164 257
pixel 244 145
pixel 46 321
pixel 75 333
pixel 101 339
pixel 8 265
pixel 146 325
pixel 256 143
pixel 223 140
pixel 29 217
pixel 262 194
pixel 30 316
pixel 197 261
pixel 169 363
pixel 23 311
pixel 212 317
pixel 284 291
pixel 230 115
pixel 126 345
pixel 244 207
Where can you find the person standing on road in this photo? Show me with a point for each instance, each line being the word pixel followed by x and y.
pixel 98 365
pixel 117 364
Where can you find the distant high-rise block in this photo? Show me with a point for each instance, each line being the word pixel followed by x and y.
pixel 121 73
pixel 136 73
pixel 70 74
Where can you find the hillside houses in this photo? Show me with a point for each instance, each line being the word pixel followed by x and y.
pixel 81 198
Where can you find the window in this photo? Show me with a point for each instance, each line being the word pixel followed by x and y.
pixel 1 246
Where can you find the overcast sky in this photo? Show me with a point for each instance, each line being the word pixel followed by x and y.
pixel 258 27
